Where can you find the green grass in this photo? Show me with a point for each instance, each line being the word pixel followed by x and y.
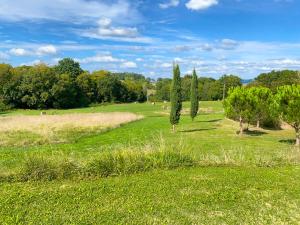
pixel 252 179
pixel 184 196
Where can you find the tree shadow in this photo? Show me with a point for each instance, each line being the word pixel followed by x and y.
pixel 288 141
pixel 196 130
pixel 4 113
pixel 254 133
pixel 208 121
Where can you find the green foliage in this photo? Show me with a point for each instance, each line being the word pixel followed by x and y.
pixel 229 82
pixel 163 88
pixel 262 98
pixel 275 79
pixel 64 92
pixel 66 85
pixel 175 96
pixel 186 83
pixel 194 96
pixel 35 87
pixel 209 88
pixel 135 91
pixel 287 103
pixel 240 105
pixel 68 66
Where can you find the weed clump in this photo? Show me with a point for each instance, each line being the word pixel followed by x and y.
pixel 36 168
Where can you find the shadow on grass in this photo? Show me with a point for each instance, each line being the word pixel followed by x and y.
pixel 4 112
pixel 196 130
pixel 288 141
pixel 208 121
pixel 254 132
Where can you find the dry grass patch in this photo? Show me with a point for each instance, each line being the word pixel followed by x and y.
pixel 24 130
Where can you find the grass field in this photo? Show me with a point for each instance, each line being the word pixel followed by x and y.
pixel 253 179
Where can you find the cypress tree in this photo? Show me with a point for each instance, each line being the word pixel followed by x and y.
pixel 175 96
pixel 194 96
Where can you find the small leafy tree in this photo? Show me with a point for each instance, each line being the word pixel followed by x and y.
pixel 287 103
pixel 262 98
pixel 239 105
pixel 68 66
pixel 175 96
pixel 194 96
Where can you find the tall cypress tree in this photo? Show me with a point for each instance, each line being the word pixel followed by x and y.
pixel 175 96
pixel 194 96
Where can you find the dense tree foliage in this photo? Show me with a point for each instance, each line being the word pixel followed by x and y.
pixel 240 106
pixel 227 82
pixel 163 88
pixel 209 88
pixel 176 98
pixel 275 79
pixel 262 98
pixel 287 103
pixel 66 85
pixel 194 96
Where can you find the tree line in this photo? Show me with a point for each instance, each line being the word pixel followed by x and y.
pixel 209 89
pixel 66 85
pixel 216 89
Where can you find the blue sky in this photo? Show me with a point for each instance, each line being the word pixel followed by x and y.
pixel 243 37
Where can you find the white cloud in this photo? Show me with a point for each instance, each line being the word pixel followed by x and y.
pixel 106 31
pixel 104 22
pixel 118 32
pixel 170 3
pixel 66 10
pixel 99 59
pixel 129 65
pixel 18 51
pixel 228 44
pixel 166 65
pixel 200 4
pixel 46 50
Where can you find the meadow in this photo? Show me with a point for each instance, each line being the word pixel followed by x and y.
pixel 137 171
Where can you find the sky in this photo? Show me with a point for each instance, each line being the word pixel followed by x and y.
pixel 216 37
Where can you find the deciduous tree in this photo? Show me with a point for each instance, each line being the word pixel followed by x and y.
pixel 287 102
pixel 239 105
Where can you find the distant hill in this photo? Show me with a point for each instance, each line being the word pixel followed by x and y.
pixel 246 81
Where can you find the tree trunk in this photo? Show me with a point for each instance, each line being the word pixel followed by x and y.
pixel 173 128
pixel 298 137
pixel 258 124
pixel 241 126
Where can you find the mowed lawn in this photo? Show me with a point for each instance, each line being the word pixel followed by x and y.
pixel 253 179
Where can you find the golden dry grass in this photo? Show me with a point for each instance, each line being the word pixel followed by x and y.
pixel 16 130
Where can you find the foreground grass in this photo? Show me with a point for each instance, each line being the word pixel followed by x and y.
pixel 185 196
pixel 252 179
